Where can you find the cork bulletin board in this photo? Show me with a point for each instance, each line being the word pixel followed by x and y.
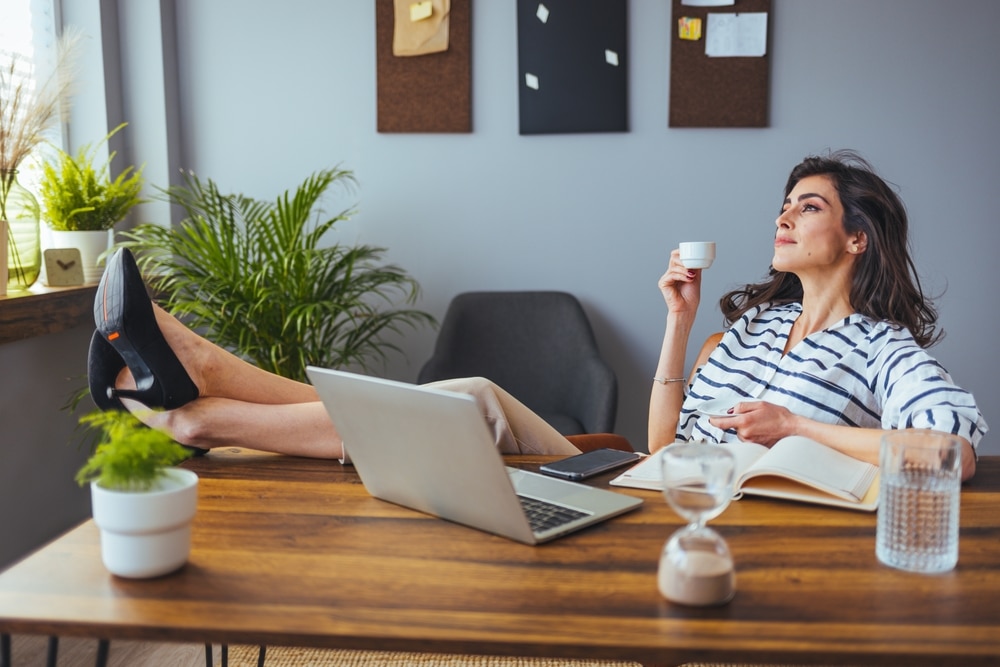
pixel 425 93
pixel 708 91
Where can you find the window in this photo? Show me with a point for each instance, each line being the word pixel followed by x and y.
pixel 28 32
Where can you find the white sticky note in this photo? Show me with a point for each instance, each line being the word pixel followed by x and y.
pixel 736 35
pixel 531 81
pixel 421 10
pixel 542 13
pixel 611 57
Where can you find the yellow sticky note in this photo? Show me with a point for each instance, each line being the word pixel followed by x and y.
pixel 689 28
pixel 421 10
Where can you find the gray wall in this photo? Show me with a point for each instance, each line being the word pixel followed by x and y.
pixel 40 449
pixel 271 91
pixel 265 93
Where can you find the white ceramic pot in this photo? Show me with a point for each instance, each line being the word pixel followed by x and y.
pixel 90 245
pixel 146 533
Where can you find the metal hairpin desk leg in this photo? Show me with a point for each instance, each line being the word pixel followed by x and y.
pixel 103 648
pixel 261 655
pixel 53 655
pixel 5 650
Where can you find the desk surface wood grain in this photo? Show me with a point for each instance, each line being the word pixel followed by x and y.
pixel 292 551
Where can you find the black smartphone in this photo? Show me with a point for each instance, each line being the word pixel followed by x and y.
pixel 588 464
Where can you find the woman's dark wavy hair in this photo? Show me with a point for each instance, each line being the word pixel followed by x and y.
pixel 885 285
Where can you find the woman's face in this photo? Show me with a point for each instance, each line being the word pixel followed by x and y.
pixel 810 232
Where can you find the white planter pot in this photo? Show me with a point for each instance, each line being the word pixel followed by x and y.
pixel 90 245
pixel 146 533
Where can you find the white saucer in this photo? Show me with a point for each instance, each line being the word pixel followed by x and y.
pixel 717 407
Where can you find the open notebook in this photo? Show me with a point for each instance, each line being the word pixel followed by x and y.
pixel 795 468
pixel 431 450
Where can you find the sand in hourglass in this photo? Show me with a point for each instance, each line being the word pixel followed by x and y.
pixel 702 578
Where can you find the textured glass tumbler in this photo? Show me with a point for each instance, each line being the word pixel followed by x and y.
pixel 919 500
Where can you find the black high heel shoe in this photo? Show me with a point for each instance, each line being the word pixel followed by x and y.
pixel 125 319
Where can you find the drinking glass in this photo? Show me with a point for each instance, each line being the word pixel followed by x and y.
pixel 696 567
pixel 919 501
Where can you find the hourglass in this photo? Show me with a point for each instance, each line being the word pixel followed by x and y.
pixel 696 567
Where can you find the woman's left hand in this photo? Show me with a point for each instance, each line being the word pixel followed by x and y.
pixel 758 421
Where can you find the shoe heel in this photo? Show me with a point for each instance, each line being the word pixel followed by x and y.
pixel 103 366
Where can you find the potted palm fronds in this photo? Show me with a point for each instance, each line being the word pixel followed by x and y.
pixel 142 504
pixel 82 203
pixel 262 280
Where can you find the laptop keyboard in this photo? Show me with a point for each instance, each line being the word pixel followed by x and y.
pixel 543 515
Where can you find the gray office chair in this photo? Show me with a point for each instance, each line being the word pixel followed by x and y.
pixel 539 346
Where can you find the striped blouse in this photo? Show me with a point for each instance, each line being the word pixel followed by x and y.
pixel 859 372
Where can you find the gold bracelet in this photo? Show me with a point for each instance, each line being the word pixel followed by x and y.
pixel 668 380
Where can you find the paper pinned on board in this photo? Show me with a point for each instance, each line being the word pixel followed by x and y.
pixel 731 35
pixel 421 10
pixel 689 28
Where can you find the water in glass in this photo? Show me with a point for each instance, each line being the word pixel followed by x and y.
pixel 919 501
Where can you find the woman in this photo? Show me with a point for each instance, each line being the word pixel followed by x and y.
pixel 144 360
pixel 831 345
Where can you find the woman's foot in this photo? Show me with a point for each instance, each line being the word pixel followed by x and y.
pixel 126 320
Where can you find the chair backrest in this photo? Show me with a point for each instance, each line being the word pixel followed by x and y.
pixel 707 348
pixel 537 345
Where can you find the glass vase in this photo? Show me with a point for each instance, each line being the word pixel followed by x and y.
pixel 24 248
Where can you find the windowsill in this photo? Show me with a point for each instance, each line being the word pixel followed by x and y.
pixel 44 310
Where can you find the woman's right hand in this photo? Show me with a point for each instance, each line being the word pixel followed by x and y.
pixel 680 286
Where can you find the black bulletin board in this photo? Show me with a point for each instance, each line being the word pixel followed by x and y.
pixel 429 93
pixel 576 54
pixel 717 92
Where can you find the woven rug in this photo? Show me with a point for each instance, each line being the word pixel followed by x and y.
pixel 282 656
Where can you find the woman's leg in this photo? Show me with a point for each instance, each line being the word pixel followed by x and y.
pixel 300 429
pixel 516 429
pixel 239 404
pixel 242 405
pixel 217 372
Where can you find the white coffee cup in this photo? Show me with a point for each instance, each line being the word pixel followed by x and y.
pixel 697 254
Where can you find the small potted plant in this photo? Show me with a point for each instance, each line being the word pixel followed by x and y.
pixel 82 203
pixel 142 504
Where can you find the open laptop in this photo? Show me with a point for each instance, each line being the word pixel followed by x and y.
pixel 430 450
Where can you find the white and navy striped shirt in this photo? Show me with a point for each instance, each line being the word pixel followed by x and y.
pixel 859 372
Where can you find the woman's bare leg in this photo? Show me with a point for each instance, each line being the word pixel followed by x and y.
pixel 239 404
pixel 242 405
pixel 217 372
pixel 300 429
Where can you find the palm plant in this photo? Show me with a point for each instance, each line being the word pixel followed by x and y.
pixel 252 277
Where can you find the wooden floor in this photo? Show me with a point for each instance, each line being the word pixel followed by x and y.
pixel 32 651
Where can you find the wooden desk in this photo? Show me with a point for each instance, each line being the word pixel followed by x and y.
pixel 294 552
